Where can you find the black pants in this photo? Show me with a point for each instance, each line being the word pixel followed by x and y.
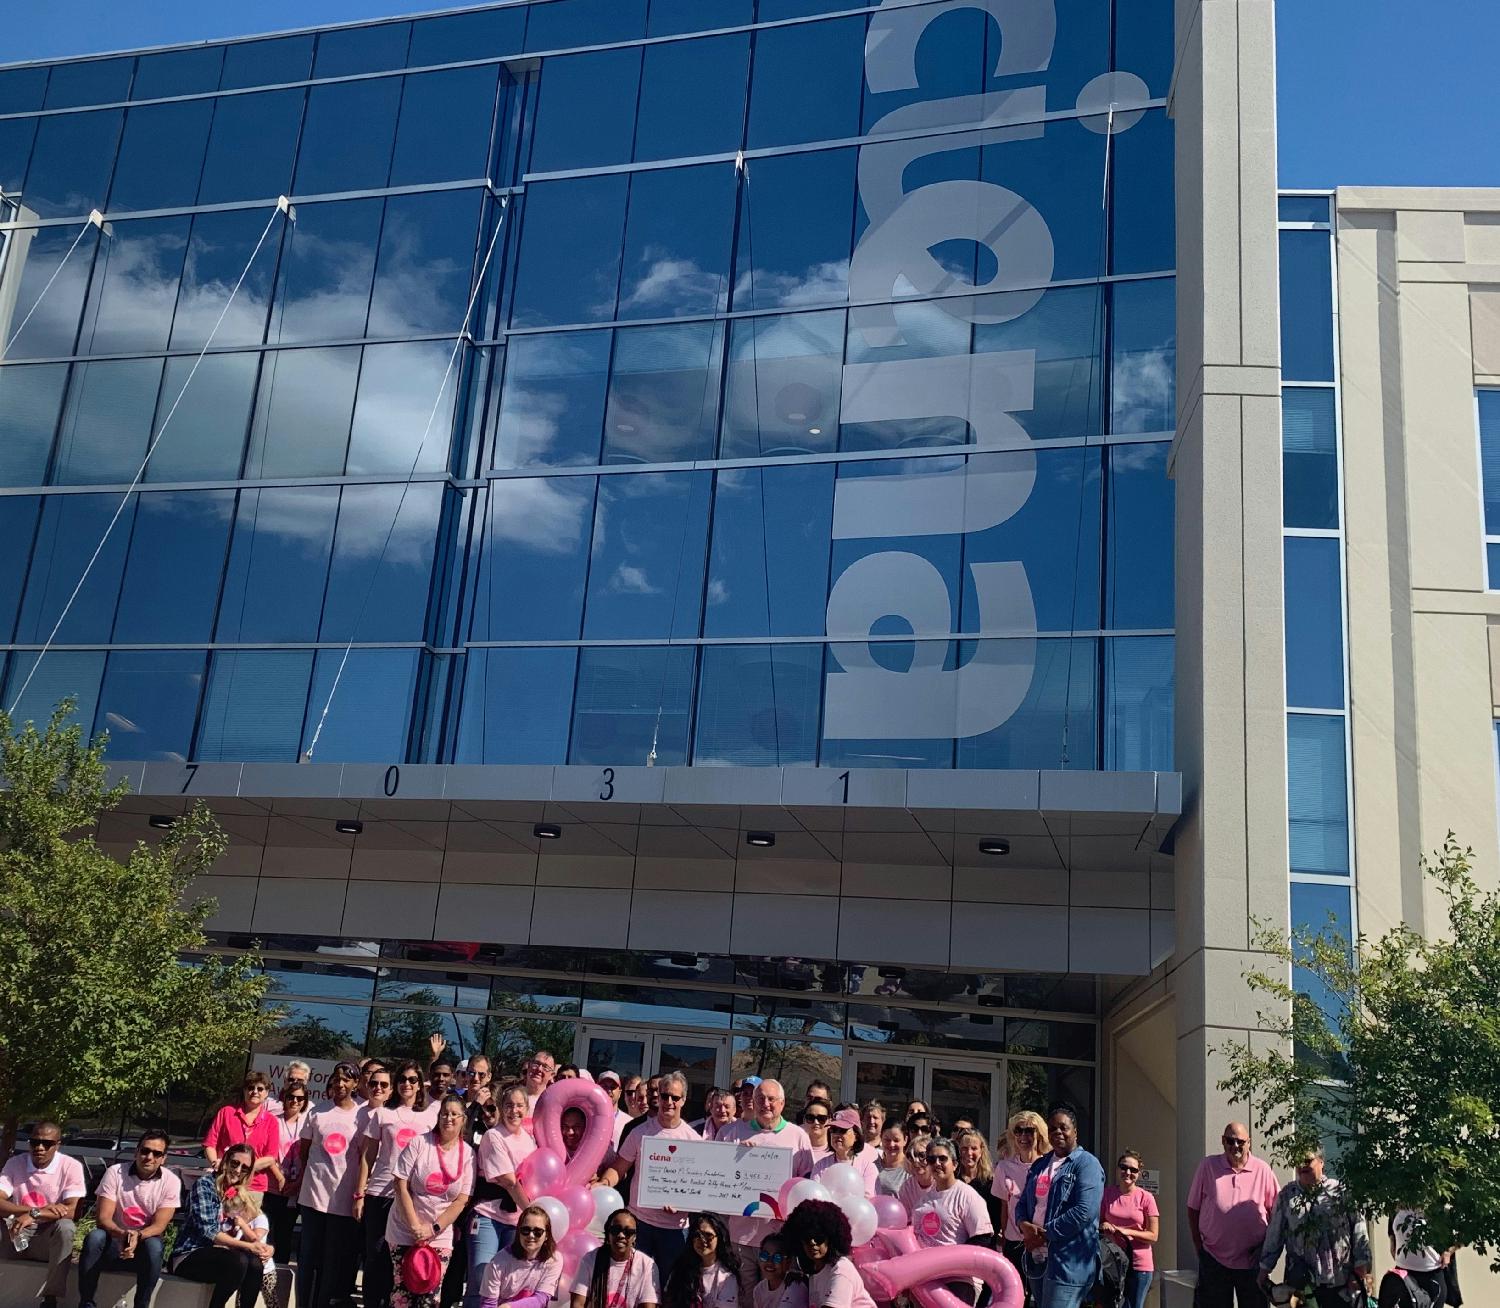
pixel 1015 1251
pixel 1219 1286
pixel 227 1270
pixel 378 1278
pixel 325 1257
pixel 457 1271
pixel 283 1218
pixel 1414 1290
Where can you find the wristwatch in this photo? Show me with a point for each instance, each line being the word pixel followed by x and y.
pixel 436 1229
pixel 36 1214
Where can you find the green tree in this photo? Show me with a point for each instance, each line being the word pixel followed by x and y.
pixel 312 1037
pixel 100 1012
pixel 1390 1056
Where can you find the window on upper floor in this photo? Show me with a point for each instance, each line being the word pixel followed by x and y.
pixel 1488 406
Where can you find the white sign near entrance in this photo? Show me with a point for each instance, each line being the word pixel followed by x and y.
pixel 274 1066
pixel 712 1175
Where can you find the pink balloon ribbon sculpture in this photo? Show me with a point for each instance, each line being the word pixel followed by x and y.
pixel 925 1273
pixel 598 1132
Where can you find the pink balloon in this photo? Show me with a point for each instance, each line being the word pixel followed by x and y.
pixel 891 1212
pixel 598 1131
pixel 579 1201
pixel 541 1172
pixel 573 1246
pixel 925 1274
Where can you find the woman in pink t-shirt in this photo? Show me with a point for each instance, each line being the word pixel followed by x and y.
pixel 433 1178
pixel 501 1197
pixel 249 1122
pixel 1128 1215
pixel 846 1139
pixel 819 1232
pixel 404 1116
pixel 706 1273
pixel 1024 1141
pixel 527 1274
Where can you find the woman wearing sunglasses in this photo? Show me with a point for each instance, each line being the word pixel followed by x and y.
pixel 617 1275
pixel 399 1120
pixel 525 1274
pixel 951 1212
pixel 280 1202
pixel 1130 1217
pixel 330 1243
pixel 847 1142
pixel 249 1121
pixel 1024 1141
pixel 207 1253
pixel 781 1284
pixel 706 1273
pixel 501 1152
pixel 433 1179
pixel 819 1232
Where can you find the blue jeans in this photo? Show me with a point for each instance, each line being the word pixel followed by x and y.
pixel 1136 1286
pixel 1056 1295
pixel 663 1243
pixel 101 1253
pixel 487 1237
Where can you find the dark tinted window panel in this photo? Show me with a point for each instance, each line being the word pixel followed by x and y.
pixel 370 710
pixel 1143 233
pixel 805 84
pixel 177 72
pixel 664 393
pixel 1065 330
pixel 692 97
pixel 1306 307
pixel 106 424
pixel 1314 623
pixel 443 134
pixel 1080 52
pixel 1138 545
pixel 552 410
pixel 536 559
pixel 205 439
pixel 135 287
pixel 1302 208
pixel 92 81
pixel 266 63
pixel 453 38
pixel 253 708
pixel 633 704
pixel 30 404
pixel 250 146
pixel 1144 42
pixel 769 11
pixel 1317 796
pixel 566 23
pixel 670 17
pixel 1310 460
pixel 362 50
pixel 38 257
pixel 16 136
pixel 71 528
pixel 278 565
pixel 175 567
pixel 327 264
pixel 62 674
pixel 161 156
pixel 571 237
pixel 18 515
pixel 347 137
pixel 586 110
pixel 303 413
pixel 71 163
pixel 22 89
pixel 1139 697
pixel 375 596
pixel 1056 725
pixel 677 242
pixel 219 252
pixel 797 227
pixel 1143 362
pixel 516 705
pixel 426 258
pixel 783 383
pixel 403 411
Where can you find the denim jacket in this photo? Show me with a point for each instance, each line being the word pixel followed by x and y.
pixel 1072 1224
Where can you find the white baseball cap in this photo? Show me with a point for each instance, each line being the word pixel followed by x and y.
pixel 608 1076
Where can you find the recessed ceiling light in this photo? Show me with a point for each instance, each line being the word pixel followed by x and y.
pixel 547 831
pixel 994 845
pixel 348 826
pixel 760 839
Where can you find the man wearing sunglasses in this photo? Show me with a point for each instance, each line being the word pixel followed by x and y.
pixel 135 1205
pixel 1229 1210
pixel 765 1127
pixel 40 1192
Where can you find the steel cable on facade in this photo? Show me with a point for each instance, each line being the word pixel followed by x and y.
pixel 95 219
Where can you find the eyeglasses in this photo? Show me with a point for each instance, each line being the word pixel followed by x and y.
pixel 236 1167
pixel 820 1240
pixel 774 1259
pixel 621 1233
pixel 1234 1142
pixel 816 1119
pixel 708 1237
pixel 409 1080
pixel 294 1099
pixel 531 1232
pixel 934 1159
pixel 380 1085
pixel 1129 1171
pixel 671 1099
pixel 535 1066
pixel 257 1090
pixel 43 1143
pixel 1023 1130
pixel 145 1152
pixel 839 1130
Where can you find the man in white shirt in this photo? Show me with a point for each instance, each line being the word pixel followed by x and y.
pixel 40 1192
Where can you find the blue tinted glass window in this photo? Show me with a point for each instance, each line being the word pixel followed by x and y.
pixel 1064 329
pixel 91 81
pixel 382 563
pixel 148 702
pixel 877 700
pixel 1492 565
pixel 251 146
pixel 633 704
pixel 650 539
pixel 677 242
pixel 1056 725
pixel 177 72
pixel 161 155
pixel 71 162
pixel 805 84
pixel 403 411
pixel 692 97
pixel 1489 456
pixel 948 62
pixel 36 258
pixel 70 529
pixel 670 17
pixel 586 111
pixel 1317 795
pixel 16 136
pixel 135 287
pixel 783 385
pixel 1306 307
pixel 1143 233
pixel 18 515
pixel 1321 911
pixel 205 440
pixel 302 416
pixel 266 63
pixel 1145 42
pixel 443 134
pixel 174 568
pixel 106 424
pixel 536 559
pixel 768 569
pixel 1139 698
pixel 517 704
pixel 758 705
pixel 348 135
pixel 370 712
pixel 1143 356
pixel 1302 208
pixel 1139 539
pixel 362 50
pixel 663 393
pixel 22 89
pixel 219 252
pixel 566 23
pixel 253 710
pixel 552 410
pixel 796 230
pixel 30 403
pixel 475 35
pixel 1314 624
pixel 1310 459
pixel 570 251
pixel 422 272
pixel 1079 53
pixel 327 265
pixel 278 565
pixel 61 674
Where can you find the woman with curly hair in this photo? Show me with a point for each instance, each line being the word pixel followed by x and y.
pixel 819 1232
pixel 706 1273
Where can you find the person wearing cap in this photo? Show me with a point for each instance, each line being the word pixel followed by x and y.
pixel 846 1144
pixel 744 1095
pixel 609 1081
pixel 769 1128
pixel 329 1150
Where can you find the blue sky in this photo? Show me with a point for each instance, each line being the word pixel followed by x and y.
pixel 1389 92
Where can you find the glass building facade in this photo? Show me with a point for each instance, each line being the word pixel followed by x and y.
pixel 751 382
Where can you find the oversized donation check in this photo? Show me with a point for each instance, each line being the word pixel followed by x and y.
pixel 720 1177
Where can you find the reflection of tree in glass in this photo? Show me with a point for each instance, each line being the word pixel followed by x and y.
pixel 1026 1087
pixel 405 1032
pixel 509 1039
pixel 312 1037
pixel 794 1064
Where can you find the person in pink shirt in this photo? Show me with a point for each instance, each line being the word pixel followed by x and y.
pixel 706 1273
pixel 40 1191
pixel 723 1111
pixel 433 1179
pixel 1024 1141
pixel 781 1284
pixel 1130 1217
pixel 819 1232
pixel 663 1232
pixel 767 1127
pixel 537 1073
pixel 281 1208
pixel 951 1212
pixel 815 1119
pixel 133 1208
pixel 527 1273
pixel 1229 1210
pixel 389 1128
pixel 847 1147
pixel 500 1195
pixel 249 1122
pixel 329 1152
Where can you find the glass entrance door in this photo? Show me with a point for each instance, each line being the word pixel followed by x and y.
pixel 954 1088
pixel 702 1059
pixel 962 1090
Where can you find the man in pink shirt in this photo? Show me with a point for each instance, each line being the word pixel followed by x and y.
pixel 136 1204
pixel 537 1072
pixel 765 1127
pixel 1229 1208
pixel 40 1191
pixel 662 1231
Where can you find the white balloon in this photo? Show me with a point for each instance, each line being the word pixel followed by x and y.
pixel 843 1179
pixel 606 1202
pixel 805 1189
pixel 863 1219
pixel 557 1214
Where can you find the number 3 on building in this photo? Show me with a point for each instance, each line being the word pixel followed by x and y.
pixel 607 781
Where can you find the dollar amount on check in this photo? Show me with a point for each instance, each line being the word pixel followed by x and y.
pixel 706 1175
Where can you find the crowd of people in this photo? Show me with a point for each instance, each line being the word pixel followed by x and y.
pixel 412 1183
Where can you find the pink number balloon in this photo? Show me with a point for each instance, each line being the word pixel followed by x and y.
pixel 891 1212
pixel 598 1132
pixel 541 1172
pixel 925 1273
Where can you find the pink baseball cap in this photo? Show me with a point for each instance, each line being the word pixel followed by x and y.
pixel 846 1117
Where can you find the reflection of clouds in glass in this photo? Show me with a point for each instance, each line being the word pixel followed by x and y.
pixel 417 289
pixel 398 385
pixel 718 592
pixel 545 515
pixel 1142 394
pixel 668 286
pixel 206 288
pixel 627 579
pixel 365 517
pixel 1144 456
pixel 553 399
pixel 325 285
pixel 139 269
pixel 307 397
pixel 822 283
